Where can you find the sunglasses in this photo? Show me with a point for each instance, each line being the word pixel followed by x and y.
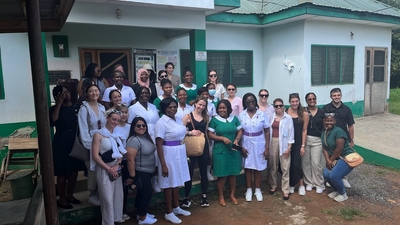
pixel 163 76
pixel 311 99
pixel 212 75
pixel 231 89
pixel 329 114
pixel 278 106
pixel 141 125
pixel 264 96
pixel 113 111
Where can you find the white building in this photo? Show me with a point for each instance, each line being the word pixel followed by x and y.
pixel 247 42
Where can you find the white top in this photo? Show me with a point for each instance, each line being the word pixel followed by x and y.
pixel 286 131
pixel 219 90
pixel 237 105
pixel 127 94
pixel 94 119
pixel 211 109
pixel 150 115
pixel 183 111
pixel 193 87
pixel 124 131
pixel 269 110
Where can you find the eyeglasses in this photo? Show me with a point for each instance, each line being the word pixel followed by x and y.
pixel 311 99
pixel 212 75
pixel 278 106
pixel 231 89
pixel 264 96
pixel 141 125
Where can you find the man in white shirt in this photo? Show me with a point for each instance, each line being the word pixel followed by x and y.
pixel 127 94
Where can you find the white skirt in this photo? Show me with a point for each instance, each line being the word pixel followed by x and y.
pixel 177 164
pixel 255 159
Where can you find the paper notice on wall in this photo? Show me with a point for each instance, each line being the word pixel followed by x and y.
pixel 166 56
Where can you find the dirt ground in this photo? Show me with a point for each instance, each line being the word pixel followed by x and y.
pixel 373 199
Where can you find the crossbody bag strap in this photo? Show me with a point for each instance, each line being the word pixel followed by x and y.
pixel 140 157
pixel 191 121
pixel 326 143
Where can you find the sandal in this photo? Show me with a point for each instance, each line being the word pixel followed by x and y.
pixel 234 201
pixel 271 192
pixel 222 202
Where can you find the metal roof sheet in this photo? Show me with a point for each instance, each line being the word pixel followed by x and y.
pixel 273 6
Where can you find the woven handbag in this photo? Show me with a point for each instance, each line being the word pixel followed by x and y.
pixel 194 144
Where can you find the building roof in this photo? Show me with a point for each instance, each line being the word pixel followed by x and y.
pixel 272 6
pixel 53 14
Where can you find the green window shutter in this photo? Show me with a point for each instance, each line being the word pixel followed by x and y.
pixel 318 65
pixel 220 62
pixel 347 65
pixel 242 68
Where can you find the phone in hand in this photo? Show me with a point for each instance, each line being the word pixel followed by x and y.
pixel 237 147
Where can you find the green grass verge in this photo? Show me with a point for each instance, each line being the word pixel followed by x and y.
pixel 345 213
pixel 394 101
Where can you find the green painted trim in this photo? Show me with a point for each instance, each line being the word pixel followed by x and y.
pixel 227 3
pixel 307 8
pixel 46 69
pixel 197 40
pixel 376 158
pixel 2 93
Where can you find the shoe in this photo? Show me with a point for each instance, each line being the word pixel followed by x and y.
pixel 147 215
pixel 126 217
pixel 234 201
pixel 67 206
pixel 94 200
pixel 346 183
pixel 179 211
pixel 259 196
pixel 309 187
pixel 204 202
pixel 154 184
pixel 302 190
pixel 148 220
pixel 210 177
pixel 319 190
pixel 186 203
pixel 271 192
pixel 333 194
pixel 341 198
pixel 248 195
pixel 222 202
pixel 327 184
pixel 285 198
pixel 172 218
pixel 120 221
pixel 291 190
pixel 73 200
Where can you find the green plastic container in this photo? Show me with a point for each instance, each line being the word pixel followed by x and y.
pixel 21 184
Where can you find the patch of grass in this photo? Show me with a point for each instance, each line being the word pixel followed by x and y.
pixel 349 213
pixel 307 200
pixel 394 101
pixel 328 211
pixel 380 172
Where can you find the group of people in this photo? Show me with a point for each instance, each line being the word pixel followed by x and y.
pixel 135 136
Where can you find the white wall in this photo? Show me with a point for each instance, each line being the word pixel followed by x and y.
pixel 18 105
pixel 329 33
pixel 105 14
pixel 280 43
pixel 239 38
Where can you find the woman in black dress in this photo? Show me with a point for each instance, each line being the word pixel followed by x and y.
pixel 63 117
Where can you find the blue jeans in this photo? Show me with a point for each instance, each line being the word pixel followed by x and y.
pixel 334 177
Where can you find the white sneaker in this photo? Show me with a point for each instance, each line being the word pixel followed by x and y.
pixel 148 220
pixel 291 190
pixel 248 195
pixel 94 200
pixel 341 198
pixel 154 184
pixel 125 217
pixel 309 187
pixel 319 190
pixel 120 221
pixel 327 184
pixel 179 211
pixel 147 215
pixel 302 190
pixel 259 196
pixel 346 184
pixel 333 194
pixel 172 218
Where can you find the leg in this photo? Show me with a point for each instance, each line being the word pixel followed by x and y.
pixel 168 199
pixel 118 195
pixel 188 184
pixel 248 173
pixel 70 188
pixel 175 197
pixel 61 184
pixel 285 167
pixel 317 163
pixel 202 161
pixel 306 162
pixel 273 163
pixel 125 176
pixel 336 175
pixel 257 178
pixel 220 186
pixel 146 193
pixel 232 186
pixel 106 195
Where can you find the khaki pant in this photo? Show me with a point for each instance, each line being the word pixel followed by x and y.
pixel 273 163
pixel 313 162
pixel 91 178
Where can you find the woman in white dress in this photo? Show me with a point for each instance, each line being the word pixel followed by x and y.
pixel 183 107
pixel 173 170
pixel 255 139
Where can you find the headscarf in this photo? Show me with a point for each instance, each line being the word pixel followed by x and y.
pixel 138 78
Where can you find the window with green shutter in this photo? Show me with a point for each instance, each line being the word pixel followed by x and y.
pixel 332 64
pixel 232 66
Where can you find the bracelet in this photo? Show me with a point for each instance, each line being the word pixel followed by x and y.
pixel 130 177
pixel 303 145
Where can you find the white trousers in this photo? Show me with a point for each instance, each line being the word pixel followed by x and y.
pixel 313 162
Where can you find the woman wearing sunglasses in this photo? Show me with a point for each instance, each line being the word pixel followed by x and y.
pixel 162 74
pixel 235 101
pixel 313 160
pixel 263 104
pixel 141 166
pixel 282 138
pixel 219 87
pixel 107 152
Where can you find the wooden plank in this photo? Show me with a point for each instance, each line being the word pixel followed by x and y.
pixel 22 144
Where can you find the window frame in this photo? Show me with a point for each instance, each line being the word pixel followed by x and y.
pixel 326 80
